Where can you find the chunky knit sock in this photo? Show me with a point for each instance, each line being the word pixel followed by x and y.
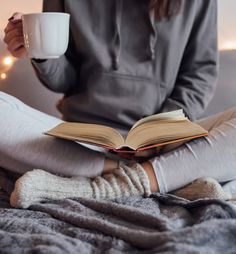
pixel 39 185
pixel 203 188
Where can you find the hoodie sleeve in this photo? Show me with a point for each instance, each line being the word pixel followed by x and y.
pixel 59 75
pixel 197 75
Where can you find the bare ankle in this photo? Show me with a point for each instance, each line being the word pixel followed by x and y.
pixel 151 175
pixel 109 166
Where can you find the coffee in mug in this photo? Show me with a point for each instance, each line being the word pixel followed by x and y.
pixel 46 35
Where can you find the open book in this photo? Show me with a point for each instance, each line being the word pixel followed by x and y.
pixel 152 131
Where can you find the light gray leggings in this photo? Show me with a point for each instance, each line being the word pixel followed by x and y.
pixel 24 147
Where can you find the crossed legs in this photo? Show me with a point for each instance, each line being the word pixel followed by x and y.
pixel 23 147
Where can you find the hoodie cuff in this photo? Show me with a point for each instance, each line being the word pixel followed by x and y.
pixel 46 67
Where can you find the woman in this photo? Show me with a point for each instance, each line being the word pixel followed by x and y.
pixel 126 60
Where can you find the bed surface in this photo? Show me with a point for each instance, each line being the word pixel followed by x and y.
pixel 159 224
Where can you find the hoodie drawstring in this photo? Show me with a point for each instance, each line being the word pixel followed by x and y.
pixel 116 44
pixel 153 35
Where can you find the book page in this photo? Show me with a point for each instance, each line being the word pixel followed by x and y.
pixel 162 131
pixel 172 115
pixel 88 133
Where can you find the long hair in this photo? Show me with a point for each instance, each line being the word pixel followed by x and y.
pixel 165 8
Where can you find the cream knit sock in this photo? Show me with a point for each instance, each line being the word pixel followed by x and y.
pixel 205 187
pixel 39 185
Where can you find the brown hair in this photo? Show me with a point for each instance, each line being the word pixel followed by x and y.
pixel 165 8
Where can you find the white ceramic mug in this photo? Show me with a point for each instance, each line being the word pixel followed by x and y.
pixel 46 35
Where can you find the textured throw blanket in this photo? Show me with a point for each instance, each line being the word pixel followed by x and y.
pixel 159 224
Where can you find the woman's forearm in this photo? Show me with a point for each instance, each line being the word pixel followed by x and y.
pixel 58 75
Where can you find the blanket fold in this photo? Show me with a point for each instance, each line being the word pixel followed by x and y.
pixel 158 224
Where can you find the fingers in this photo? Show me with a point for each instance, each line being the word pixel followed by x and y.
pixel 16 32
pixel 14 21
pixel 19 53
pixel 15 43
pixel 13 25
pixel 148 153
pixel 14 36
pixel 17 15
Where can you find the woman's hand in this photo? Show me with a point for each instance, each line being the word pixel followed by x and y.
pixel 14 36
pixel 141 156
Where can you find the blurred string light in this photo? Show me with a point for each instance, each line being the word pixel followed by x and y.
pixel 8 60
pixel 3 75
pixel 5 65
pixel 228 45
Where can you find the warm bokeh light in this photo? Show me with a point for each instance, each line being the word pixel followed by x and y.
pixel 228 45
pixel 8 60
pixel 3 75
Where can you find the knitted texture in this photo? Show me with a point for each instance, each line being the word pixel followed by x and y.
pixel 205 187
pixel 123 182
pixel 38 185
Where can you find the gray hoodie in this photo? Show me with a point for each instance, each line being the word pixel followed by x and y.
pixel 122 65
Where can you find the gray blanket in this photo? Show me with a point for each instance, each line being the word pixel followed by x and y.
pixel 159 224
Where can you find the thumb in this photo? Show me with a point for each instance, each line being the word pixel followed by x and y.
pixel 16 16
